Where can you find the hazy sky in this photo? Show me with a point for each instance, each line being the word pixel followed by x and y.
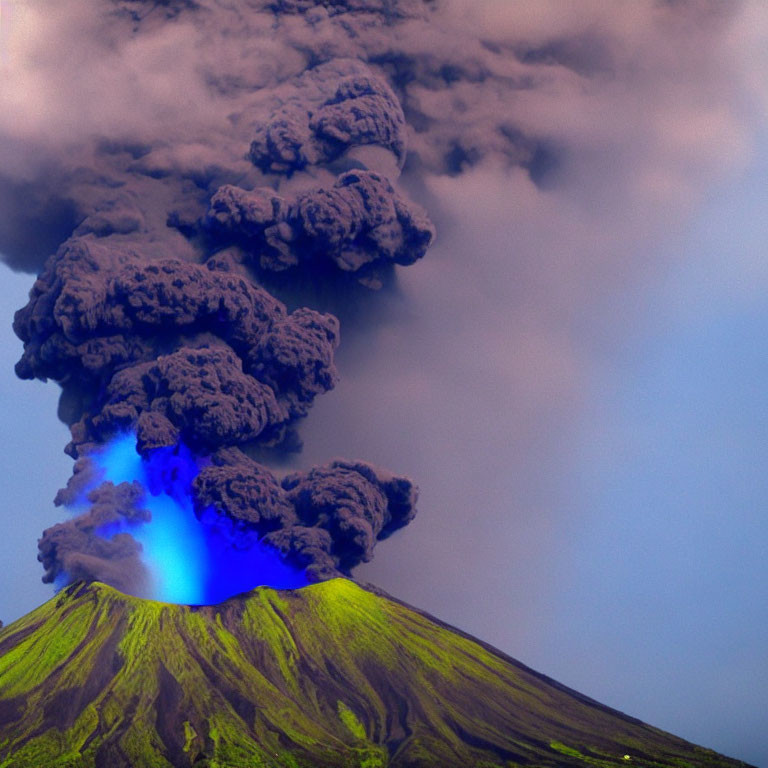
pixel 575 379
pixel 636 567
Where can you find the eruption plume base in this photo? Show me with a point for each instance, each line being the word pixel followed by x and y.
pixel 194 559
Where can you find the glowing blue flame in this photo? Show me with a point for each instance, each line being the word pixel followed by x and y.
pixel 190 560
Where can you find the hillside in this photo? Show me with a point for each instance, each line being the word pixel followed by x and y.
pixel 328 676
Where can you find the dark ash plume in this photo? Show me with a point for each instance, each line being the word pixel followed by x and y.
pixel 149 313
pixel 199 395
pixel 362 110
pixel 77 549
pixel 327 520
pixel 123 327
pixel 245 490
pixel 358 504
pixel 206 154
pixel 359 226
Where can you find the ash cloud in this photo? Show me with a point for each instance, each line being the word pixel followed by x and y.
pixel 203 143
pixel 359 226
pixel 154 324
pixel 325 521
pixel 361 110
pixel 109 321
pixel 240 487
pixel 199 395
pixel 76 549
pixel 356 503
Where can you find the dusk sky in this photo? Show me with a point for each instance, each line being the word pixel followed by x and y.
pixel 574 374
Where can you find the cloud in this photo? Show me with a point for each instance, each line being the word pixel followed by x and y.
pixel 359 226
pixel 74 550
pixel 335 107
pixel 325 521
pixel 550 146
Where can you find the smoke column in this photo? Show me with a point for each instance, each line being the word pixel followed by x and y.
pixel 222 167
pixel 177 366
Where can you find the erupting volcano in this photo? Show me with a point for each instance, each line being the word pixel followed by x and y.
pixel 238 188
pixel 189 558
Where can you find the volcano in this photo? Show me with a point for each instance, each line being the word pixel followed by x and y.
pixel 327 676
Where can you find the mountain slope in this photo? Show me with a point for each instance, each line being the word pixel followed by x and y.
pixel 330 675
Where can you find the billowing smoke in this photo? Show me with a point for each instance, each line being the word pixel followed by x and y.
pixel 171 348
pixel 338 105
pixel 360 226
pixel 74 549
pixel 150 315
pixel 169 510
pixel 193 157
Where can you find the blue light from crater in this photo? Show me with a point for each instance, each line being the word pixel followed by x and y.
pixel 191 559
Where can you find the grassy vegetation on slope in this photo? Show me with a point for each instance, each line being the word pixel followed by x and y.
pixel 329 676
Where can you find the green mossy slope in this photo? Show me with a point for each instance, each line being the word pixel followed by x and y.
pixel 328 676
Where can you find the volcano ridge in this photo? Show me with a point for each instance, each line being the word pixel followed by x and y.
pixel 329 676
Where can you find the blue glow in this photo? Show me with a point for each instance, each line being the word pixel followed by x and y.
pixel 193 561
